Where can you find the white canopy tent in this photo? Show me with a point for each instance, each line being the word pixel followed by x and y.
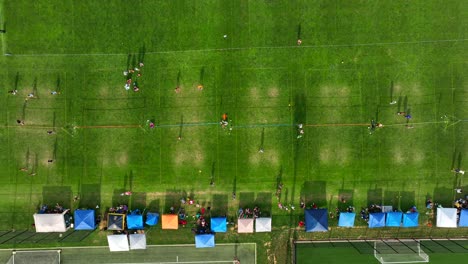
pixel 245 225
pixel 118 242
pixel 263 224
pixel 46 223
pixel 446 217
pixel 137 241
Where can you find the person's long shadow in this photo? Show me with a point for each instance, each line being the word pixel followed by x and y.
pixel 23 111
pixel 181 125
pixel 141 54
pixel 179 75
pixel 202 76
pixel 213 170
pixel 57 85
pixel 262 139
pixel 405 104
pixel 34 89
pixel 234 187
pixel 17 77
pixel 391 91
pixel 129 60
pixel 400 101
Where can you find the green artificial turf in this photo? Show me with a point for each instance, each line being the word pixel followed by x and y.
pixel 355 58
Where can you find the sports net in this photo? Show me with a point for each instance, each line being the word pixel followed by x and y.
pixel 399 252
pixel 36 257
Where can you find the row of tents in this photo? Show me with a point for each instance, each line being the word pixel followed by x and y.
pixel 138 241
pixel 86 220
pixel 316 220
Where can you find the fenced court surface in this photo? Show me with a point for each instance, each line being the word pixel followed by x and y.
pixel 160 254
pixel 394 251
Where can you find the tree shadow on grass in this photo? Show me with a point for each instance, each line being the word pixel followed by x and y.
pixel 246 199
pixel 90 196
pixel 52 195
pixel 119 199
pixel 402 201
pixel 443 196
pixel 154 206
pixel 345 199
pixel 315 192
pixel 138 200
pixel 375 196
pixel 172 199
pixel 263 201
pixel 219 205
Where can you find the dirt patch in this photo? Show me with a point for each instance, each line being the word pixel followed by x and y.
pixel 268 156
pixel 254 92
pixel 334 91
pixel 273 92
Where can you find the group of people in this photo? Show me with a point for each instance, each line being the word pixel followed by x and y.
pixel 131 79
pixel 121 209
pixel 57 209
pixel 249 213
pixel 300 130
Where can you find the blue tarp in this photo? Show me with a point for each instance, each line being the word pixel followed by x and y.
pixel 463 218
pixel 84 220
pixel 394 219
pixel 218 224
pixel 204 241
pixel 316 220
pixel 134 221
pixel 376 220
pixel 346 219
pixel 411 219
pixel 152 219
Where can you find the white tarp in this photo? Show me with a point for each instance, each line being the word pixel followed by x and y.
pixel 245 225
pixel 118 242
pixel 263 224
pixel 446 217
pixel 46 223
pixel 387 208
pixel 137 241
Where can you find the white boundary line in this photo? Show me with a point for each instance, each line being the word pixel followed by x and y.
pixel 89 247
pixel 245 48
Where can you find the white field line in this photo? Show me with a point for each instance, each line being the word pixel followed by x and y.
pixel 246 48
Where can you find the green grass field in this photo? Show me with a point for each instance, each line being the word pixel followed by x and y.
pixel 355 58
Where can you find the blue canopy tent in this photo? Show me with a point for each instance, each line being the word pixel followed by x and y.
pixel 394 219
pixel 463 218
pixel 84 220
pixel 204 241
pixel 316 220
pixel 346 219
pixel 152 219
pixel 135 221
pixel 218 224
pixel 411 219
pixel 376 220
